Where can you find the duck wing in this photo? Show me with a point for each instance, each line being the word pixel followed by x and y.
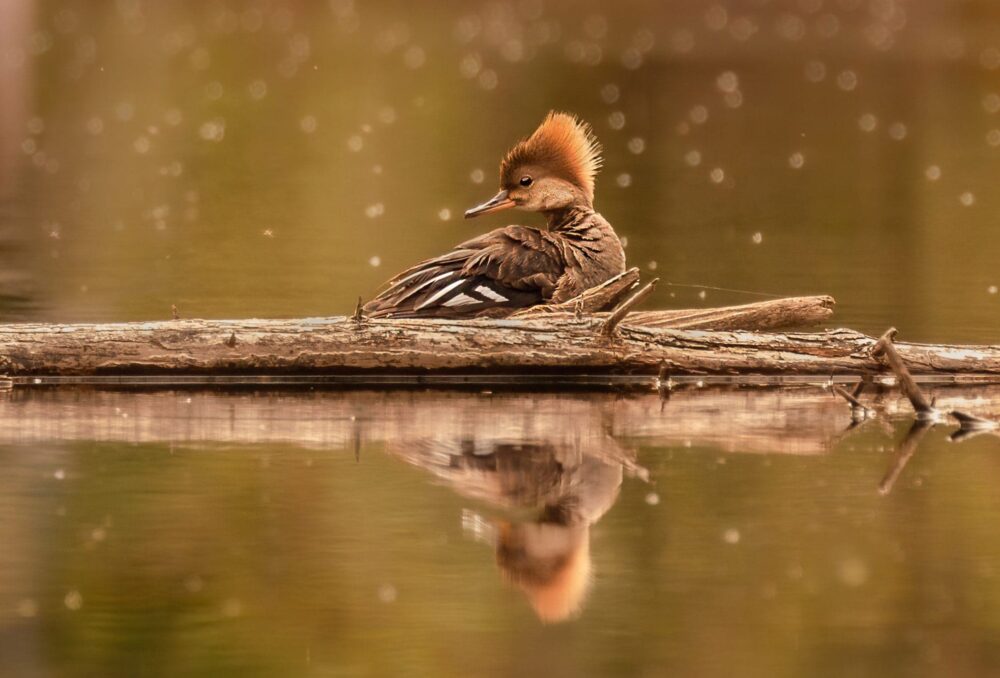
pixel 495 274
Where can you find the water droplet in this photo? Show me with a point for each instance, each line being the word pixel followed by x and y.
pixel 387 115
pixel 414 57
pixel 757 238
pixel 967 199
pixel 652 499
pixel 652 265
pixel 624 179
pixel 897 131
pixel 257 89
pixel 59 474
pixel 933 173
pixel 73 600
pixel 637 145
pixel 213 130
pixel 387 593
pixel 375 261
pixel 233 607
pixel 698 114
pixel 488 79
pixel 94 125
pixel 717 175
pixel 308 124
pixel 992 289
pixel 375 210
pixel 815 71
pixel 616 120
pixel 847 80
pixel 610 93
pixel 36 125
pixel 477 176
pixel 693 158
pixel 444 214
pixel 27 608
pixel 796 160
pixel 716 18
pixel 727 81
pixel 355 143
pixel 868 122
pixel 141 145
pixel 852 572
pixel 731 536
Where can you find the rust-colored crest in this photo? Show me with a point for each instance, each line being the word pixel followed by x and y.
pixel 563 145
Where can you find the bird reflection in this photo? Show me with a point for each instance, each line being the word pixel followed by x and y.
pixel 566 486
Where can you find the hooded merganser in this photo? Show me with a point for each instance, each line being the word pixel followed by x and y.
pixel 552 172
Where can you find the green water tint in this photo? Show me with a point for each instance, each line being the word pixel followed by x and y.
pixel 245 161
pixel 192 532
pixel 279 160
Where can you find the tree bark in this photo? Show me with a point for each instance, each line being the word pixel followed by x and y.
pixel 344 346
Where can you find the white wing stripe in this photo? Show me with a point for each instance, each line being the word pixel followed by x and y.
pixel 492 295
pixel 440 293
pixel 461 300
pixel 410 292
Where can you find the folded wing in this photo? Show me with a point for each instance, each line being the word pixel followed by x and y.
pixel 493 275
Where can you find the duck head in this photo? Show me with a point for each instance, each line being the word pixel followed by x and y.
pixel 549 171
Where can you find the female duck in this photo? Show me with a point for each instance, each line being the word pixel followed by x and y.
pixel 515 267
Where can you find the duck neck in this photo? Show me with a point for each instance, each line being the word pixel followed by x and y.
pixel 569 216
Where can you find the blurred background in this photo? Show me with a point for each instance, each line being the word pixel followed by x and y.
pixel 279 158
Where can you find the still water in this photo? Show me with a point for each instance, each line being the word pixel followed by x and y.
pixel 273 158
pixel 718 532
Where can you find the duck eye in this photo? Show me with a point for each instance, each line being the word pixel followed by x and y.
pixel 526 181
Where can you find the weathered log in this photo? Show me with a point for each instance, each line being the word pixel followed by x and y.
pixel 342 346
pixel 773 314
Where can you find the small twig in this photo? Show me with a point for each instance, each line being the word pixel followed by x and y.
pixel 905 450
pixel 973 423
pixel 359 313
pixel 859 388
pixel 885 348
pixel 231 341
pixel 849 397
pixel 623 309
pixel 174 314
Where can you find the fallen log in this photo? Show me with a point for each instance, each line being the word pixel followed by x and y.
pixel 342 345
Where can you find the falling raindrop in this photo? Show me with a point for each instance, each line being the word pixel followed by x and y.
pixel 933 173
pixel 868 122
pixel 308 124
pixel 796 160
pixel 698 114
pixel 847 80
